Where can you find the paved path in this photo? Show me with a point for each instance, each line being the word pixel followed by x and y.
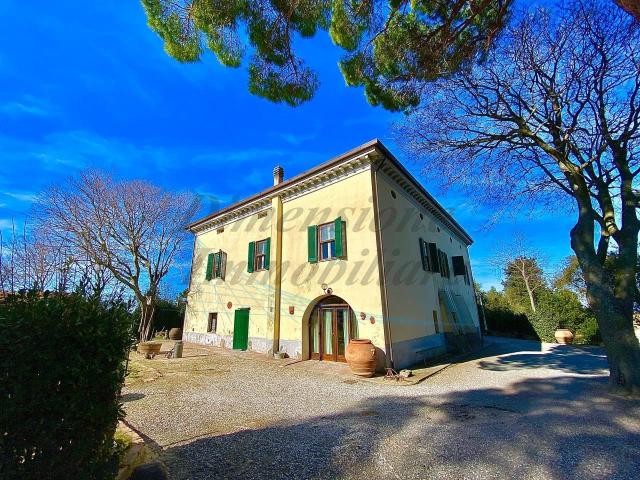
pixel 518 410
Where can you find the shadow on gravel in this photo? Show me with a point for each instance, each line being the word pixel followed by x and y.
pixel 562 427
pixel 561 357
pixel 131 397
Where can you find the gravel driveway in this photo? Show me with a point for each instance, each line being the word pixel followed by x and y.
pixel 517 410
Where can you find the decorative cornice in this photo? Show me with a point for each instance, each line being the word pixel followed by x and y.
pixel 372 154
pixel 291 190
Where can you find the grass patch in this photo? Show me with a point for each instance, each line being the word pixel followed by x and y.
pixel 122 441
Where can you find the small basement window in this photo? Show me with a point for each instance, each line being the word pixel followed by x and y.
pixel 393 194
pixel 212 323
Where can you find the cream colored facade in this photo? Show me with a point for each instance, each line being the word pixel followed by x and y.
pixel 380 275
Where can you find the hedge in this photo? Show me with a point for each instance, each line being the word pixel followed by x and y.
pixel 61 370
pixel 501 320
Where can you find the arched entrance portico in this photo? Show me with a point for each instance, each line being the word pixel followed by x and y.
pixel 328 324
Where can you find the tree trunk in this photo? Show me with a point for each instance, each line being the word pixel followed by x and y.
pixel 614 317
pixel 530 293
pixel 147 309
pixel 623 348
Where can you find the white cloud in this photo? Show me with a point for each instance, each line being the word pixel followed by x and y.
pixel 66 152
pixel 6 224
pixel 28 105
pixel 294 139
pixel 21 196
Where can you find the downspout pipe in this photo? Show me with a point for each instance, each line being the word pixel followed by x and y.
pixel 276 205
pixel 381 266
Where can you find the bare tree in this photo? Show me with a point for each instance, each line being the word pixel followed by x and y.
pixel 520 263
pixel 131 228
pixel 29 262
pixel 554 115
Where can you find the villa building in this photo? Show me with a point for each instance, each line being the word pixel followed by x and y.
pixel 353 248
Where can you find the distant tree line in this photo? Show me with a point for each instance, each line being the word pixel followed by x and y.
pixel 533 304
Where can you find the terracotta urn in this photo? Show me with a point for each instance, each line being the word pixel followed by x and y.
pixel 564 336
pixel 361 357
pixel 175 334
pixel 149 349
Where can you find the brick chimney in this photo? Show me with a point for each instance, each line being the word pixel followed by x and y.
pixel 278 175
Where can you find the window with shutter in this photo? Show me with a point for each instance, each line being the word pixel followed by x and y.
pixel 458 265
pixel 260 261
pixel 312 247
pixel 434 257
pixel 424 255
pixel 216 265
pixel 330 241
pixel 444 264
pixel 251 256
pixel 223 265
pixel 339 228
pixel 209 270
pixel 267 257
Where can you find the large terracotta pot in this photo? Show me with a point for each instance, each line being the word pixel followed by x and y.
pixel 361 357
pixel 149 349
pixel 175 334
pixel 564 336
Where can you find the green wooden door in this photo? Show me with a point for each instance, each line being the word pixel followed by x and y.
pixel 241 329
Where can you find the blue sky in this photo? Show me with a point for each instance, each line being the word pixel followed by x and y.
pixel 87 84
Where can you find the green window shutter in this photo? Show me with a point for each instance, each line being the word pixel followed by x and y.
pixel 339 240
pixel 223 265
pixel 312 243
pixel 435 257
pixel 423 255
pixel 217 273
pixel 209 266
pixel 267 253
pixel 251 256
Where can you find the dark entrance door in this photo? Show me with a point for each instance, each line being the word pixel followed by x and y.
pixel 241 329
pixel 330 329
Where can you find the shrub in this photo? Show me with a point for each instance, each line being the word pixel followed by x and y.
pixel 559 309
pixel 501 317
pixel 501 320
pixel 545 323
pixel 62 368
pixel 588 333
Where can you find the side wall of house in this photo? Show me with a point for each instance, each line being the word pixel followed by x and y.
pixel 240 288
pixel 412 292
